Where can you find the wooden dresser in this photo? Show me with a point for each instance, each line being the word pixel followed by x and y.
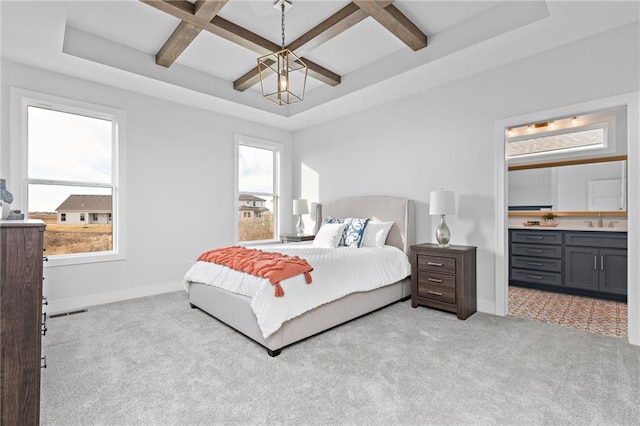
pixel 21 246
pixel 444 278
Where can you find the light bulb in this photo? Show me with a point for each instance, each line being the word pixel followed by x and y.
pixel 284 83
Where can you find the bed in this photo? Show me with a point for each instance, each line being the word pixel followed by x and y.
pixel 235 309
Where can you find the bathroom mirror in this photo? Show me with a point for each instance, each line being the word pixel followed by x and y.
pixel 584 185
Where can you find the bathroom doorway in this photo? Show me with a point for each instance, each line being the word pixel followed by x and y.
pixel 607 317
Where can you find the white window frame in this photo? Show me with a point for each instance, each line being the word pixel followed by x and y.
pixel 277 148
pixel 20 101
pixel 605 122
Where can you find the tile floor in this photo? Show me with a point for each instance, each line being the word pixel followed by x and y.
pixel 583 313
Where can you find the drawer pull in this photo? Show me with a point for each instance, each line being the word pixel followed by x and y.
pixel 595 262
pixel 434 264
pixel 535 263
pixel 44 324
pixel 434 280
pixel 602 263
pixel 537 277
pixel 535 250
pixel 534 237
pixel 437 293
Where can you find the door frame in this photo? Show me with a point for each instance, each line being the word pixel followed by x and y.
pixel 632 101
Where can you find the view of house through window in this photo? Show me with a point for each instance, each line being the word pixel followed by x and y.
pixel 70 182
pixel 257 191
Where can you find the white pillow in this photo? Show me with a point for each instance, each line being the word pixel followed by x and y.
pixel 375 234
pixel 329 235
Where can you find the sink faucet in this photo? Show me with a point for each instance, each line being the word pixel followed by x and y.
pixel 589 223
pixel 600 220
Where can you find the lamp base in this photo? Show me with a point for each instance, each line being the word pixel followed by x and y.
pixel 300 226
pixel 443 235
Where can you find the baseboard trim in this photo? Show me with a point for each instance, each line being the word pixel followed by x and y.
pixel 82 302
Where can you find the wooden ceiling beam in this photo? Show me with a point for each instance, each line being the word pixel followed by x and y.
pixel 252 77
pixel 185 11
pixel 334 25
pixel 396 22
pixel 185 32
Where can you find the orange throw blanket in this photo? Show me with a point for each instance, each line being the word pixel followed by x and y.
pixel 274 266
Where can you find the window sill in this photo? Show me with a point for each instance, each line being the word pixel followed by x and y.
pixel 81 259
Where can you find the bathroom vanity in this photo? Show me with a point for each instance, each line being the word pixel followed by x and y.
pixel 589 261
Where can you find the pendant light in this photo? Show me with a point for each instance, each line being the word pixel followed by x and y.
pixel 283 75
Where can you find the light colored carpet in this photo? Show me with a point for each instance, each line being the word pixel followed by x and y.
pixel 156 361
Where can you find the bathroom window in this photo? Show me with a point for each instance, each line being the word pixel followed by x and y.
pixel 528 140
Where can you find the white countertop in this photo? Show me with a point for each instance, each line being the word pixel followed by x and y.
pixel 568 228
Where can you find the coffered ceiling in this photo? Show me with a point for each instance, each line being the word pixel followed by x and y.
pixel 363 53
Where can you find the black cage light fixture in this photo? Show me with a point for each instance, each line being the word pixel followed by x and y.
pixel 283 75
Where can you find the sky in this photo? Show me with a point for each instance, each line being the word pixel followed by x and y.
pixel 255 169
pixel 66 147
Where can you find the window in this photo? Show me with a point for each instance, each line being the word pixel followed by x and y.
pixel 561 141
pixel 71 171
pixel 257 189
pixel 594 133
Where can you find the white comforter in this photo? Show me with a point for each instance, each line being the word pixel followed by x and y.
pixel 336 273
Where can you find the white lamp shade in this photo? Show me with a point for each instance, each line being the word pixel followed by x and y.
pixel 300 206
pixel 442 202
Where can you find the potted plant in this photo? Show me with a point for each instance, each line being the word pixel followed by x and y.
pixel 548 218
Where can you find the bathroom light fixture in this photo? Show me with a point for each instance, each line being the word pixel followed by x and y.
pixel 442 203
pixel 283 75
pixel 300 207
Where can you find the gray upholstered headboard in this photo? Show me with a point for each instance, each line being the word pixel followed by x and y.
pixel 381 208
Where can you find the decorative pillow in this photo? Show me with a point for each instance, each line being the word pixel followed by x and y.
pixel 375 234
pixel 331 219
pixel 354 231
pixel 329 235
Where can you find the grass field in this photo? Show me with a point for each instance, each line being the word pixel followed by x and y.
pixel 68 239
pixel 255 230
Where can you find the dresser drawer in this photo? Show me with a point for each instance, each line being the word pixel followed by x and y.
pixel 536 237
pixel 536 264
pixel 539 277
pixel 436 286
pixel 437 264
pixel 535 250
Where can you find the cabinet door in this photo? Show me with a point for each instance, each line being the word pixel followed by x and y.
pixel 613 271
pixel 581 268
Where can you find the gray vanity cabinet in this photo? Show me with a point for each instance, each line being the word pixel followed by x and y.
pixel 596 261
pixel 592 263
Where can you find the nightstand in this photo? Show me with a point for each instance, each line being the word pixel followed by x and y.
pixel 294 238
pixel 444 278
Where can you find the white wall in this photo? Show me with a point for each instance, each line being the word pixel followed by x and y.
pixel 179 159
pixel 445 137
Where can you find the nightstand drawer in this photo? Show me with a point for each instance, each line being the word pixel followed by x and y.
pixel 437 286
pixel 436 263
